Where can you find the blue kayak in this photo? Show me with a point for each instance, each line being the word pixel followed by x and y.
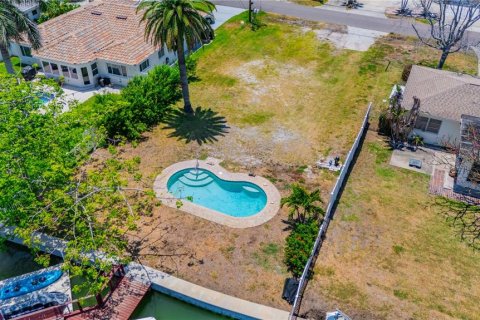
pixel 30 283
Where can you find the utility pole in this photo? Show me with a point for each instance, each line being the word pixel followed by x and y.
pixel 250 11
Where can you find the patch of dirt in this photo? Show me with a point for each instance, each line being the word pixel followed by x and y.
pixel 253 147
pixel 232 261
pixel 245 71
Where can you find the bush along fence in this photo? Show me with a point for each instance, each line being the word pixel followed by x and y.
pixel 329 213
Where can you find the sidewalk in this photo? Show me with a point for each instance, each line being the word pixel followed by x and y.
pixel 371 20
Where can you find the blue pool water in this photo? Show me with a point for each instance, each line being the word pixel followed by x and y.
pixel 234 198
pixel 46 97
pixel 29 284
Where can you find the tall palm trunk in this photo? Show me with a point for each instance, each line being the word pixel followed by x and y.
pixel 187 105
pixel 6 59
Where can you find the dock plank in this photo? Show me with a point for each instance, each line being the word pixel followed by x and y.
pixel 120 305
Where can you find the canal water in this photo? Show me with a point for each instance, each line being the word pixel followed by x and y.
pixel 16 260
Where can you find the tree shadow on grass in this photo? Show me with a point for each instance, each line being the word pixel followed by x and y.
pixel 204 126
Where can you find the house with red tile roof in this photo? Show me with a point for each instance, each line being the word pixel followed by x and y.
pixel 104 38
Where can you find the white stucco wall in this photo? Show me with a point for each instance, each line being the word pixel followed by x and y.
pixel 449 131
pixel 31 14
pixel 132 70
pixel 16 51
pixel 68 80
pixel 462 185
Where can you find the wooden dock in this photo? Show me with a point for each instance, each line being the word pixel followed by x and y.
pixel 119 305
pixel 123 297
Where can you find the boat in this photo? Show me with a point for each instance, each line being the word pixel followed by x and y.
pixel 28 283
pixel 32 304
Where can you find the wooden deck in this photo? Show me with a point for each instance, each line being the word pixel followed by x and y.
pixel 119 305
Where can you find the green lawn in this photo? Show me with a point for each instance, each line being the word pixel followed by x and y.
pixel 16 65
pixel 282 76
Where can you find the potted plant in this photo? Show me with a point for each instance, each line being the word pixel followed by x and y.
pixel 61 80
pixel 417 141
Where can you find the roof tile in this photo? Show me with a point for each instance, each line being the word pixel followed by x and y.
pixel 106 29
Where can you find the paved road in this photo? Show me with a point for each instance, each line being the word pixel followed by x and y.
pixel 400 26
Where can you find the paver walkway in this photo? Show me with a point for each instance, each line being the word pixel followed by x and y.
pixel 437 187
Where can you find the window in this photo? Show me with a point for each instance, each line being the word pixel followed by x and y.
pixel 34 12
pixel 161 52
pixel 26 51
pixel 144 65
pixel 46 67
pixel 73 73
pixel 117 69
pixel 65 71
pixel 94 69
pixel 434 126
pixel 428 124
pixel 86 78
pixel 54 68
pixel 421 123
pixel 474 174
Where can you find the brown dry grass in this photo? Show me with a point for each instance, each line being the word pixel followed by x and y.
pixel 389 254
pixel 289 100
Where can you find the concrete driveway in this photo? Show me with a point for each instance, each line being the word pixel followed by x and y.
pixel 223 14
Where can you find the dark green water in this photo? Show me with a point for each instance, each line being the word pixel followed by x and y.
pixel 163 307
pixel 16 260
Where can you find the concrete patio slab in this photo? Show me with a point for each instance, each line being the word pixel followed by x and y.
pixel 401 159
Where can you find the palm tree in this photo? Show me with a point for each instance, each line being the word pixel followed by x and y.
pixel 178 25
pixel 14 25
pixel 303 204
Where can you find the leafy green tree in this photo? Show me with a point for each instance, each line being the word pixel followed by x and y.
pixel 50 182
pixel 53 8
pixel 15 26
pixel 143 103
pixel 303 205
pixel 178 25
pixel 299 245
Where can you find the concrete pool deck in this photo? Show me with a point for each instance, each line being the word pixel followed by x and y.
pixel 213 165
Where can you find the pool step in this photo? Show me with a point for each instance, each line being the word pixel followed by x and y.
pixel 195 177
pixel 252 192
pixel 195 171
pixel 195 183
pixel 250 189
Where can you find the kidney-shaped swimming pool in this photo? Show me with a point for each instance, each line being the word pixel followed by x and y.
pixel 234 198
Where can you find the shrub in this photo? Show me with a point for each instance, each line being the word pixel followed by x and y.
pixel 54 8
pixel 299 245
pixel 143 103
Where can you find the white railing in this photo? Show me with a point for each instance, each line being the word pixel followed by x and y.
pixel 328 216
